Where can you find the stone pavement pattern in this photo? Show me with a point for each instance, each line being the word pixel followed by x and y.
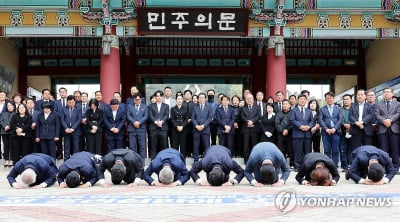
pixel 193 203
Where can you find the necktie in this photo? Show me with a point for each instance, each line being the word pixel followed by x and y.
pixel 137 108
pixel 388 105
pixel 31 112
pixel 63 103
pixel 225 109
pixel 250 107
pixel 330 112
pixel 70 113
pixel 279 106
pixel 201 107
pixel 261 108
pixel 302 112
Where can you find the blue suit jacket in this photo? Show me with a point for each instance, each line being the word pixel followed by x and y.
pixel 82 162
pixel 168 156
pixel 44 166
pixel 119 122
pixel 202 118
pixel 361 157
pixel 141 116
pixel 261 152
pixel 49 128
pixel 297 120
pixel 73 121
pixel 58 105
pixel 154 115
pixel 217 155
pixel 38 105
pixel 225 119
pixel 367 117
pixel 325 118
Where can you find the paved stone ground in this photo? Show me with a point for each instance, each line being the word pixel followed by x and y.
pixel 346 201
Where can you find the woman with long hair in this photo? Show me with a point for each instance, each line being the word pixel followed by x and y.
pixel 94 130
pixel 21 133
pixel 316 130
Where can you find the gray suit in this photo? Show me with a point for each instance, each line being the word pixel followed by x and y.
pixel 389 136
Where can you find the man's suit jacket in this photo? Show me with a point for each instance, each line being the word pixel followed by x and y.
pixel 83 108
pixel 367 118
pixel 59 106
pixel 361 157
pixel 132 161
pixel 172 157
pixel 38 105
pixel 202 118
pixel 225 119
pixel 325 118
pixel 276 107
pixel 297 120
pixel 4 107
pixel 309 162
pixel 71 120
pixel 119 122
pixel 262 105
pixel 253 115
pixel 134 115
pixel 154 115
pixel 217 155
pixel 82 162
pixel 48 128
pixel 382 113
pixel 44 166
pixel 261 152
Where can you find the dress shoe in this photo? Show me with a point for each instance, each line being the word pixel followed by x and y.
pixel 347 176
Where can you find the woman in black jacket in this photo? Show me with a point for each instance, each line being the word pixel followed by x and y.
pixel 268 132
pixel 21 133
pixel 94 129
pixel 179 119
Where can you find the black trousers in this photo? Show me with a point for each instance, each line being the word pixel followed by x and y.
pixel 21 147
pixel 158 141
pixel 285 145
pixel 7 142
pixel 250 139
pixel 179 140
pixel 94 142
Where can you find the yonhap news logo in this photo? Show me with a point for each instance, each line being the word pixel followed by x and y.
pixel 287 200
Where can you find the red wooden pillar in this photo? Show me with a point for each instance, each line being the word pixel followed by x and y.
pixel 110 77
pixel 276 63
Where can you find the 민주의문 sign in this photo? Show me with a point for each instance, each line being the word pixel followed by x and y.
pixel 193 21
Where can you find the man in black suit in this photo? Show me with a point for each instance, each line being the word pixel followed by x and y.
pixel 189 104
pixel 225 120
pixel 260 103
pixel 361 122
pixel 387 114
pixel 250 117
pixel 201 117
pixel 371 162
pixel 158 125
pixel 278 104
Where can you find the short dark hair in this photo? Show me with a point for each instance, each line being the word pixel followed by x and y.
pixel 114 102
pixel 62 88
pixel 216 177
pixel 211 90
pixel 158 92
pixel 73 179
pixel 70 97
pixel 329 94
pixel 137 95
pixel 347 95
pixel 118 172
pixel 205 96
pixel 279 91
pixel 44 90
pixel 305 91
pixel 267 174
pixel 301 95
pixel 188 90
pixel 376 172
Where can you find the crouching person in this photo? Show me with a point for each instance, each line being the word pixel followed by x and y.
pixel 124 165
pixel 217 163
pixel 37 170
pixel 80 170
pixel 317 169
pixel 170 167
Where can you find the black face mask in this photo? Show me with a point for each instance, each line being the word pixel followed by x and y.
pixel 210 98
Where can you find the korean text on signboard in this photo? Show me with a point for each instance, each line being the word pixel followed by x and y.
pixel 193 21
